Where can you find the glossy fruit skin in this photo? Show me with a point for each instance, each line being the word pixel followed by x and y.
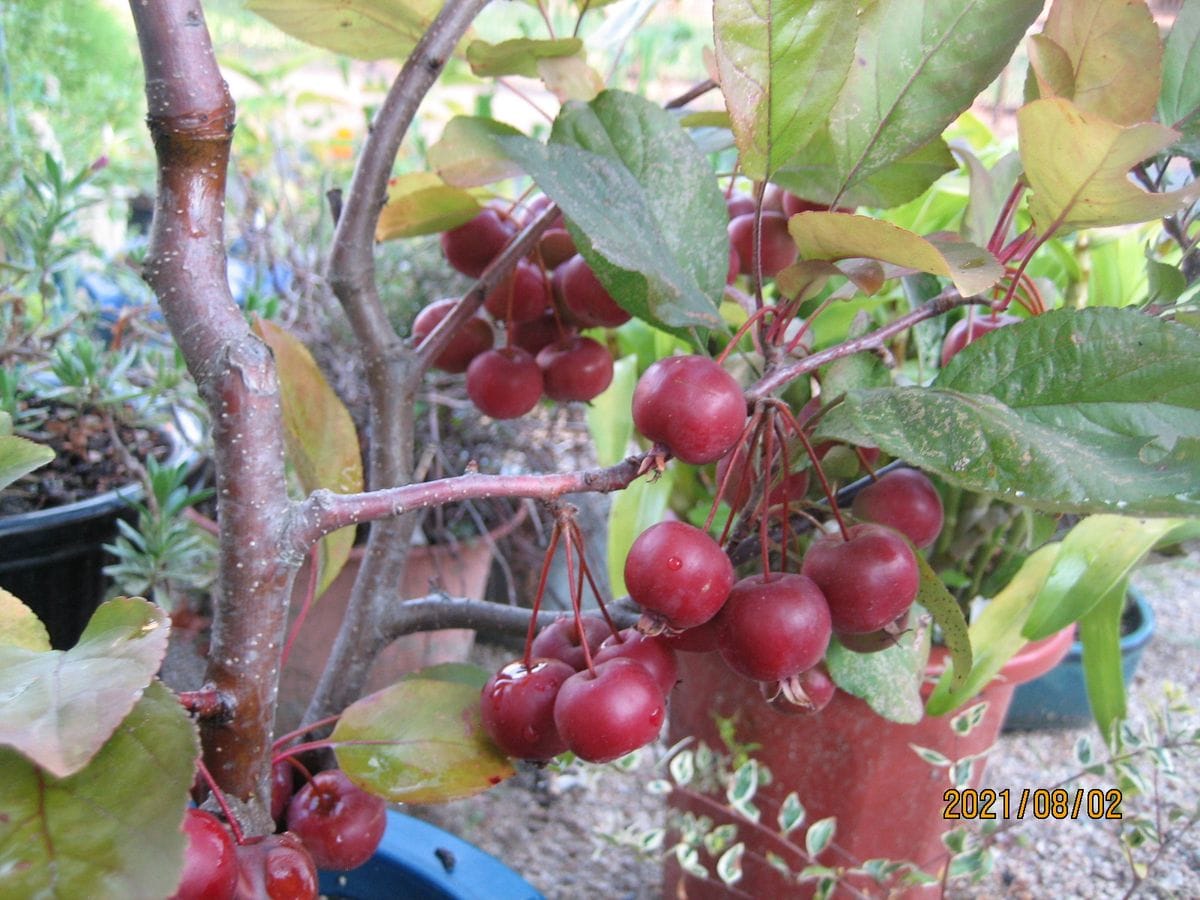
pixel 971 328
pixel 604 716
pixel 560 640
pixel 504 383
pixel 521 297
pixel 517 708
pixel 282 786
pixel 276 867
pixel 692 405
pixel 474 336
pixel 773 626
pixel 538 333
pixel 575 368
pixel 584 298
pixel 679 573
pixel 869 580
pixel 654 653
pixel 906 500
pixel 778 249
pixel 210 866
pixel 470 247
pixel 739 204
pixel 339 822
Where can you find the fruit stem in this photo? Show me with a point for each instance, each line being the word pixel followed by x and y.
pixel 1004 221
pixel 768 447
pixel 282 740
pixel 537 597
pixel 576 589
pixel 751 430
pixel 830 494
pixel 741 332
pixel 310 595
pixel 785 473
pixel 219 796
pixel 866 463
pixel 587 573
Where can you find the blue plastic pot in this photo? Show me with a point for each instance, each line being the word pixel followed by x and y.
pixel 1058 699
pixel 419 861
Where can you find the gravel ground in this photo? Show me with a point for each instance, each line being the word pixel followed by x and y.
pixel 562 830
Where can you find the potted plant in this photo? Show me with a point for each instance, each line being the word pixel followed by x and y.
pixel 645 210
pixel 107 396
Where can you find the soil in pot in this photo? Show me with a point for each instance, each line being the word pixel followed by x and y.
pixel 844 762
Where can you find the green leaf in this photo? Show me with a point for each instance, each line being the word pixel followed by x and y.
pixel 1094 410
pixel 814 175
pixel 609 424
pixel 454 673
pixel 819 834
pixel 20 456
pixel 641 203
pixel 930 756
pixel 990 189
pixel 59 707
pixel 948 615
pixel 744 783
pixel 518 56
pixel 791 814
pixel 111 829
pixel 570 78
pixel 889 680
pixel 421 203
pixel 1097 555
pixel 995 634
pixel 729 865
pixel 1077 165
pixel 917 65
pixel 1107 58
pixel 432 746
pixel 362 29
pixel 322 442
pixel 781 64
pixel 468 155
pixel 20 626
pixel 633 510
pixel 829 235
pixel 1179 102
pixel 1100 635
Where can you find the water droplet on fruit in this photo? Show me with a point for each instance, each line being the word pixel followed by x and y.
pixel 531 734
pixel 674 563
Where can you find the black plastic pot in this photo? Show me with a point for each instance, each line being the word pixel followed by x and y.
pixel 52 559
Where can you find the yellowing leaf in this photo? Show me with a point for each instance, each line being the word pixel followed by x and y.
pixel 421 203
pixel 1114 56
pixel 518 56
pixel 570 78
pixel 363 29
pixel 19 626
pixel 1077 164
pixel 823 235
pixel 322 443
pixel 467 154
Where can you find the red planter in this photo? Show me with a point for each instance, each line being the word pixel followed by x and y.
pixel 846 762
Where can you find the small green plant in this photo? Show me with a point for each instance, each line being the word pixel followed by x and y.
pixel 165 554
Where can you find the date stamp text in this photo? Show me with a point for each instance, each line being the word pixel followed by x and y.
pixel 1037 803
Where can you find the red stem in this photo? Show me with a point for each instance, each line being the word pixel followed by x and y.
pixel 830 494
pixel 537 597
pixel 219 795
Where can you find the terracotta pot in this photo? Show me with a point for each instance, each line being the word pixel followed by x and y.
pixel 460 570
pixel 846 762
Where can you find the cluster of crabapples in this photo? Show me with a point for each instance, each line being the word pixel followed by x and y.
pixel 329 823
pixel 583 686
pixel 543 304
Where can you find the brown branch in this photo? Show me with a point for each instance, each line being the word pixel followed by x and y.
pixel 939 305
pixel 191 118
pixel 324 511
pixel 392 373
pixel 437 611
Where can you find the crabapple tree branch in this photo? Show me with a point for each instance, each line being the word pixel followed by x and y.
pixel 324 511
pixel 191 120
pixel 939 305
pixel 437 611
